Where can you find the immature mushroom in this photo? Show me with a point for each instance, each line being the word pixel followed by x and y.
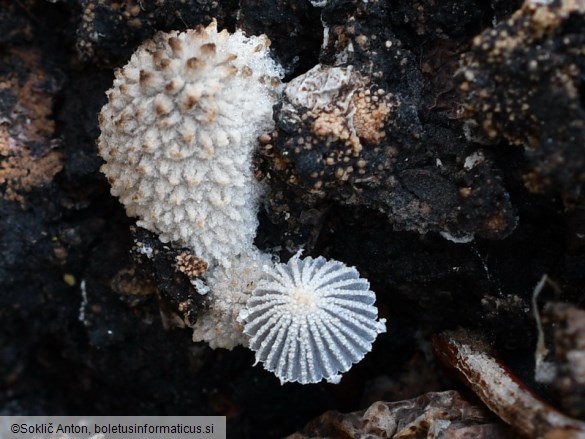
pixel 178 134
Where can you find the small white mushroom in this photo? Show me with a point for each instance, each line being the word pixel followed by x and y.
pixel 311 320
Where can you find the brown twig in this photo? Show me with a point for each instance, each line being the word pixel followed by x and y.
pixel 469 358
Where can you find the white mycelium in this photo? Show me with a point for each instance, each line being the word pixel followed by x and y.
pixel 311 320
pixel 230 290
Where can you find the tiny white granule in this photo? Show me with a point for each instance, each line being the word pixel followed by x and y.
pixel 473 160
pixel 311 320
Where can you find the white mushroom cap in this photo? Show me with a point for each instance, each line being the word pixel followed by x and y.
pixel 311 320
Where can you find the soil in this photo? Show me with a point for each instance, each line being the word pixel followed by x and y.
pixel 471 193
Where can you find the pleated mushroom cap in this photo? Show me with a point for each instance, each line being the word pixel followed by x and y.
pixel 312 319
